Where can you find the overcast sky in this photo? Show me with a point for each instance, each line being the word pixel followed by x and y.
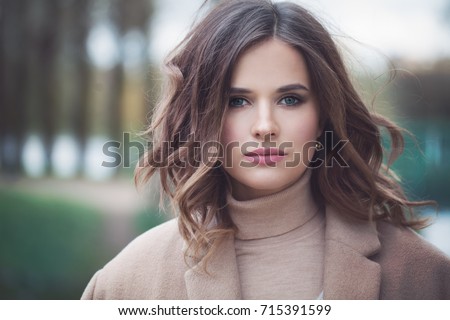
pixel 412 29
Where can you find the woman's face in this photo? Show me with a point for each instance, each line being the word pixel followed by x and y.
pixel 271 123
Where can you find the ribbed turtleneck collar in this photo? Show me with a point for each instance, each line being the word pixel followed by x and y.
pixel 275 214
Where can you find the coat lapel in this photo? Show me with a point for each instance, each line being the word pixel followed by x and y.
pixel 222 282
pixel 348 271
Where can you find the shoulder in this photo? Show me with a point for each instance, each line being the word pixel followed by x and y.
pixel 154 243
pixel 409 246
pixel 150 267
pixel 412 268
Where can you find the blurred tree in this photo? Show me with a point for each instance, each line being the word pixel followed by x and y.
pixel 423 101
pixel 44 27
pixel 13 82
pixel 127 18
pixel 424 93
pixel 76 32
pixel 47 77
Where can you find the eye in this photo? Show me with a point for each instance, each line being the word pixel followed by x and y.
pixel 291 101
pixel 237 102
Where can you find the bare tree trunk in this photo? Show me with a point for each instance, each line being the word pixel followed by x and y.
pixel 79 30
pixel 2 83
pixel 45 50
pixel 114 101
pixel 14 42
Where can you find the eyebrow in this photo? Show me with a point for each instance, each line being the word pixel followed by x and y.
pixel 289 87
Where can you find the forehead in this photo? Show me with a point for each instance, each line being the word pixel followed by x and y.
pixel 270 64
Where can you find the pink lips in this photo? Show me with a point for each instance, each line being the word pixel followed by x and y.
pixel 265 156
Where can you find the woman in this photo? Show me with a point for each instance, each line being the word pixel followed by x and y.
pixel 273 165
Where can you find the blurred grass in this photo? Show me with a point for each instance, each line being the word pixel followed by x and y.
pixel 49 247
pixel 148 218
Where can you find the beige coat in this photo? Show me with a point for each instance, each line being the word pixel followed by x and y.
pixel 361 262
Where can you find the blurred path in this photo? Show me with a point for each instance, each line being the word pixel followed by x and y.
pixel 111 197
pixel 118 200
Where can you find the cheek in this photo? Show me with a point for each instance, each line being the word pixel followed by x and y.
pixel 230 131
pixel 310 134
pixel 226 136
pixel 304 128
pixel 313 125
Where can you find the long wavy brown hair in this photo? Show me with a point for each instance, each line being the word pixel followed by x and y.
pixel 191 111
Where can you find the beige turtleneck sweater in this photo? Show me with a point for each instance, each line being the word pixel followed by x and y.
pixel 280 244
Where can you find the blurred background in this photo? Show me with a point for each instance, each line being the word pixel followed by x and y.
pixel 79 74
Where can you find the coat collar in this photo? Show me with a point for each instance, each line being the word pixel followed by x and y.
pixel 222 282
pixel 348 273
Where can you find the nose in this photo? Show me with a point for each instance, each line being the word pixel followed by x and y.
pixel 264 125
